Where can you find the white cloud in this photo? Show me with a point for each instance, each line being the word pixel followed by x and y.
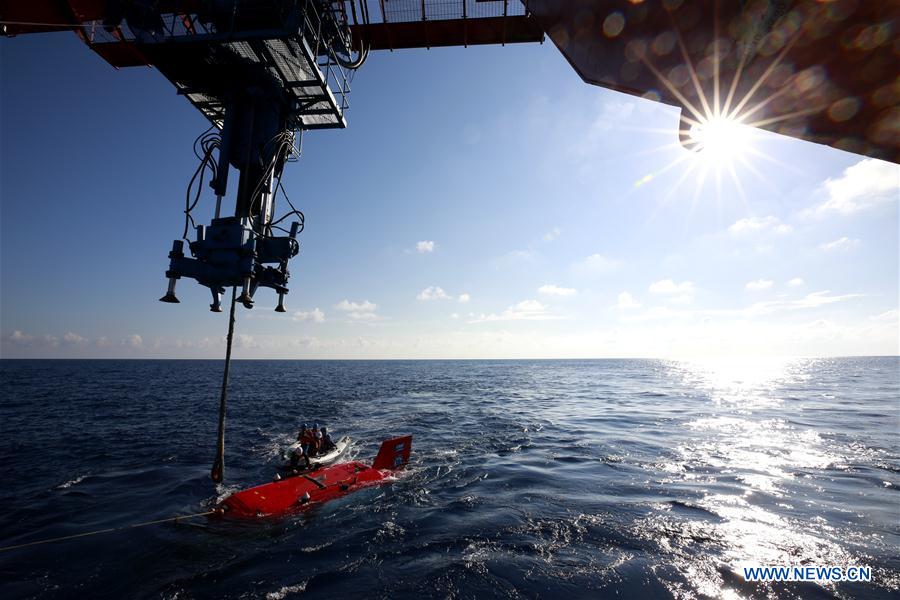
pixel 759 285
pixel 74 338
pixel 425 247
pixel 304 342
pixel 364 306
pixel 26 340
pixel 245 342
pixel 358 311
pixel 759 224
pixel 596 264
pixel 813 300
pixel 432 292
pixel 890 316
pixel 555 290
pixel 527 310
pixel 627 301
pixel 864 185
pixel 463 298
pixel 315 315
pixel 843 243
pixel 552 234
pixel 19 337
pixel 809 302
pixel 454 315
pixel 197 343
pixel 669 287
pixel 796 282
pixel 133 341
pixel 676 292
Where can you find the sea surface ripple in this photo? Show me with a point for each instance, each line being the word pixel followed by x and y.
pixel 529 479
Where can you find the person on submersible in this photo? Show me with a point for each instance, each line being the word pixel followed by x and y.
pixel 299 461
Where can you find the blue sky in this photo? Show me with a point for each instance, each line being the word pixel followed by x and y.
pixel 483 203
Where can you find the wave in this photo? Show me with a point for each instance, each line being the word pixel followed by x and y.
pixel 284 591
pixel 70 483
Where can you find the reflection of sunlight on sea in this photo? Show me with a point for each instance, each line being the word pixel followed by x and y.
pixel 760 453
pixel 745 451
pixel 745 382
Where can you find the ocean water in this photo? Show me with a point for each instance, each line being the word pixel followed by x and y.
pixel 529 479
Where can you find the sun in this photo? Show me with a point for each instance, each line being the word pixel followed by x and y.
pixel 719 140
pixel 717 127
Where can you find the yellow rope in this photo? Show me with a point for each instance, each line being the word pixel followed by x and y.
pixel 110 530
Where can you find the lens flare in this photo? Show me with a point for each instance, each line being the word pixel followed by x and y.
pixel 718 126
pixel 720 139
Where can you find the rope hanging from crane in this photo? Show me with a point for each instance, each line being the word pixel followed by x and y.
pixel 218 469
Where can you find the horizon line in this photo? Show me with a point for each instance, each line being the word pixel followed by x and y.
pixel 734 357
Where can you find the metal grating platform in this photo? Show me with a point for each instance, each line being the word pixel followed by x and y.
pixel 437 23
pixel 398 11
pixel 286 49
